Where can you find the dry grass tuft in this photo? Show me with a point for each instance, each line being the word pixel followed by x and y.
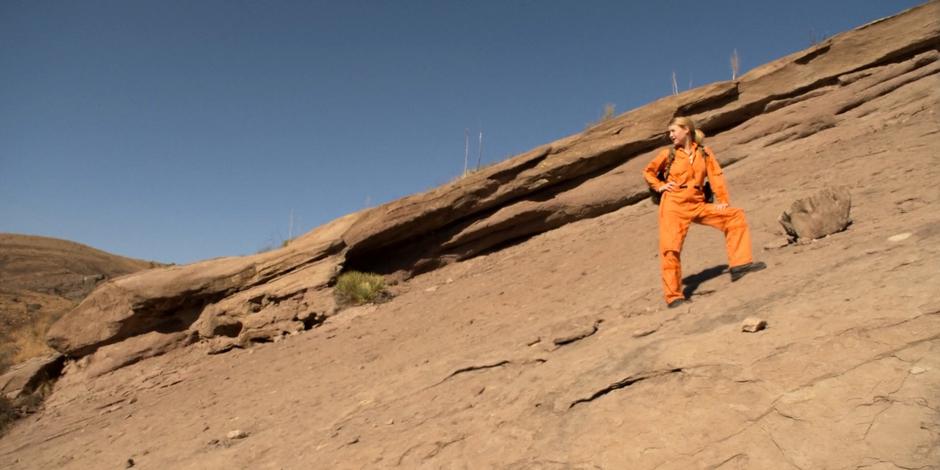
pixel 26 342
pixel 356 288
pixel 30 341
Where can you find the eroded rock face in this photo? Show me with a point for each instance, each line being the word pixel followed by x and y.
pixel 222 297
pixel 821 214
pixel 597 171
pixel 117 355
pixel 585 175
pixel 25 378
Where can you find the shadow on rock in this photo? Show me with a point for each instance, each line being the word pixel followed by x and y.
pixel 692 282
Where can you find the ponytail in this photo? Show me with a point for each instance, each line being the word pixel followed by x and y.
pixel 697 135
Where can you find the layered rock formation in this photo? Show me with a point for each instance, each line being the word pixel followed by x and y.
pixel 260 297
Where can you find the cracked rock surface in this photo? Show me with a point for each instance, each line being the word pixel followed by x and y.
pixel 463 369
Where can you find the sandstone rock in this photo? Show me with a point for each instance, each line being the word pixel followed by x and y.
pixel 236 434
pixel 164 298
pixel 821 214
pixel 210 297
pixel 129 351
pixel 753 325
pixel 23 379
pixel 220 345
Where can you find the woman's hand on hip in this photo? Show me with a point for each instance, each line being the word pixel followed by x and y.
pixel 667 187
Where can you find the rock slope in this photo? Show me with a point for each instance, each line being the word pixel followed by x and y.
pixel 257 298
pixel 546 345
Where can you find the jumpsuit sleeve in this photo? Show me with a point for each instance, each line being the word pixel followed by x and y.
pixel 717 178
pixel 649 173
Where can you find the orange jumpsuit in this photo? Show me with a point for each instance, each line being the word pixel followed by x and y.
pixel 685 203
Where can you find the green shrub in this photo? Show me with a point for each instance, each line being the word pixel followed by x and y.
pixel 356 288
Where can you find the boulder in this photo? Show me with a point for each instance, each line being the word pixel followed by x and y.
pixel 821 214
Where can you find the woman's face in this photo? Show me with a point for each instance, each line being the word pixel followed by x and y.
pixel 678 134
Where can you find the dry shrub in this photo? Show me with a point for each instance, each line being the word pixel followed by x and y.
pixel 30 341
pixel 7 413
pixel 357 288
pixel 6 354
pixel 25 343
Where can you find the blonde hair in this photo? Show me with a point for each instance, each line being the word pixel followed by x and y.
pixel 689 124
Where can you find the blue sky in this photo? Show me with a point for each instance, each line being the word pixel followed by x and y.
pixel 183 130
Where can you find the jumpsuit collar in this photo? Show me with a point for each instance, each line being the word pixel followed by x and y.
pixel 690 154
pixel 681 147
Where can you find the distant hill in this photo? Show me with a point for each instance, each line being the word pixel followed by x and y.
pixel 41 278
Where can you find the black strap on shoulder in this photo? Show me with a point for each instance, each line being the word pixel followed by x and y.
pixel 672 158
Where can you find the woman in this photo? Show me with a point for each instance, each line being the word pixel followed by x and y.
pixel 683 202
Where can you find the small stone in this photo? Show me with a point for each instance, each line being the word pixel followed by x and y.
pixel 752 325
pixel 449 280
pixel 237 434
pixel 431 289
pixel 916 370
pixel 899 237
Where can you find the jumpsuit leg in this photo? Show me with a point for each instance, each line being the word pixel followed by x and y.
pixel 673 227
pixel 732 222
